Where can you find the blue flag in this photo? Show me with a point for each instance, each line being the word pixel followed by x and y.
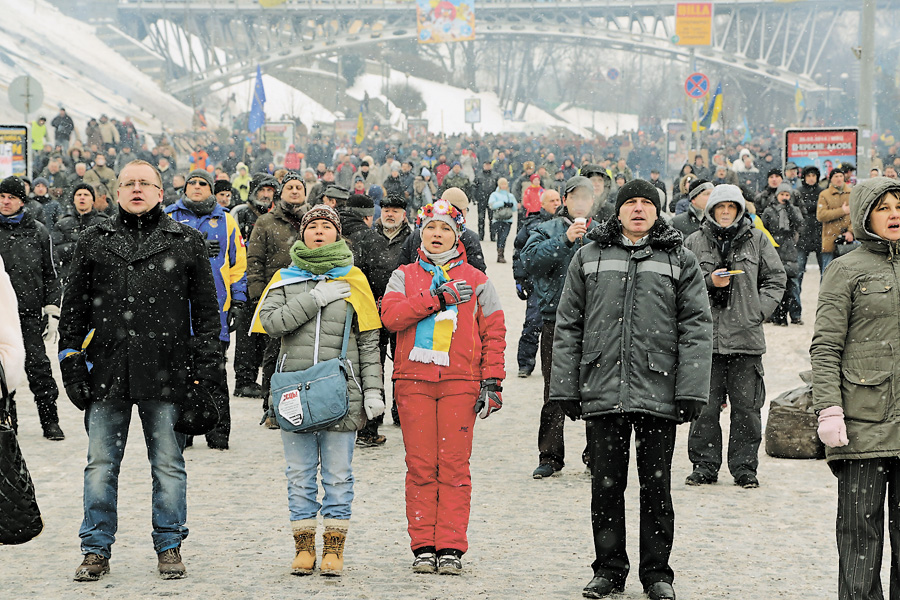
pixel 257 111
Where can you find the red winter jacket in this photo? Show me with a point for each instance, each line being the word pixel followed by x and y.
pixel 477 346
pixel 440 171
pixel 531 199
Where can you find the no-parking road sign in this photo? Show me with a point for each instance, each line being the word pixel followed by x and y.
pixel 696 86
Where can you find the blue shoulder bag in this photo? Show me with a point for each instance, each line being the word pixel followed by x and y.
pixel 317 397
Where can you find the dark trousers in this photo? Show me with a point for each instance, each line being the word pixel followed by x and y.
pixel 248 350
pixel 740 376
pixel 501 232
pixel 609 442
pixel 269 363
pixel 531 334
pixel 862 487
pixel 551 448
pixel 802 259
pixel 385 340
pixel 37 368
pixel 484 215
pixel 223 399
pixel 787 307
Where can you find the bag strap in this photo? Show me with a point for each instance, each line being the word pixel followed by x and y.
pixel 348 322
pixel 5 400
pixel 318 331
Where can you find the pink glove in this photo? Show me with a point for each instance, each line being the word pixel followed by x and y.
pixel 832 429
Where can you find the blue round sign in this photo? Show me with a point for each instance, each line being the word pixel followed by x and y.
pixel 696 85
pixel 613 74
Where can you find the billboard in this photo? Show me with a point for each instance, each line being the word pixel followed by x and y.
pixel 441 21
pixel 279 135
pixel 417 129
pixel 472 108
pixel 822 148
pixel 693 23
pixel 15 153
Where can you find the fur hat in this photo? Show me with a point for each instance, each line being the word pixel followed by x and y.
pixel 361 205
pixel 320 211
pixel 638 188
pixel 394 201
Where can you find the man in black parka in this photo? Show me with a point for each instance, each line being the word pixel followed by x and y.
pixel 139 326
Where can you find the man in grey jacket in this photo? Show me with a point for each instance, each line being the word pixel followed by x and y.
pixel 745 280
pixel 632 351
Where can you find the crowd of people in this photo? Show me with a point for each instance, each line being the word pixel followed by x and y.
pixel 646 304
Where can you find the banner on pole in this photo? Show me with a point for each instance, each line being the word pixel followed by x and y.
pixel 693 23
pixel 441 21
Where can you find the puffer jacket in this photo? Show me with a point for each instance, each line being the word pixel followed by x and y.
pixel 269 248
pixel 753 295
pixel 27 254
pixel 546 257
pixel 785 237
pixel 478 343
pixel 531 223
pixel 854 352
pixel 633 329
pixel 831 215
pixel 811 237
pixel 290 313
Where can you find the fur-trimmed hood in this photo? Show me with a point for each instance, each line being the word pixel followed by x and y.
pixel 662 235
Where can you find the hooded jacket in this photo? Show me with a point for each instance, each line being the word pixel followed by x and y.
pixel 855 352
pixel 27 255
pixel 633 330
pixel 753 295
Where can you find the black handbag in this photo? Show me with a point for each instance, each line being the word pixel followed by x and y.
pixel 20 517
pixel 315 398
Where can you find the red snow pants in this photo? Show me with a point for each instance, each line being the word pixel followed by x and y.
pixel 437 420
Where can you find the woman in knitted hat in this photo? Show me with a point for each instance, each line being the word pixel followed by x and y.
pixel 448 366
pixel 306 306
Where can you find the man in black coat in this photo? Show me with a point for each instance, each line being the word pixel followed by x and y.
pixel 70 227
pixel 28 259
pixel 140 325
pixel 485 184
pixel 63 126
pixel 376 254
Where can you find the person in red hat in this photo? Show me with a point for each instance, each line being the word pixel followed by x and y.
pixel 531 196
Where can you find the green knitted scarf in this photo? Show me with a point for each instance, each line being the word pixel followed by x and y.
pixel 321 260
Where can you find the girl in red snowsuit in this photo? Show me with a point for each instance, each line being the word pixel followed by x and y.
pixel 448 367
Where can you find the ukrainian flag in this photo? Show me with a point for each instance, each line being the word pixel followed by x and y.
pixel 714 107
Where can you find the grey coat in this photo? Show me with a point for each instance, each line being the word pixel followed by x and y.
pixel 753 295
pixel 289 312
pixel 855 350
pixel 633 330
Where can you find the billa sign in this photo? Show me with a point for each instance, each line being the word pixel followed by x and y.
pixel 693 23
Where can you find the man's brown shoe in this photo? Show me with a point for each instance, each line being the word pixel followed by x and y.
pixel 92 568
pixel 170 565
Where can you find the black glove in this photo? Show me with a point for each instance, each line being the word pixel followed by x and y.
pixel 688 410
pixel 212 247
pixel 235 314
pixel 523 290
pixel 571 408
pixel 80 394
pixel 489 398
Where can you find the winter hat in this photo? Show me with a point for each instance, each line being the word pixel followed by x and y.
pixel 442 210
pixel 200 174
pixel 726 193
pixel 337 192
pixel 361 205
pixel 834 172
pixel 221 185
pixel 395 166
pixel 14 187
pixel 455 164
pixel 578 181
pixel 535 177
pixel 240 166
pixel 425 172
pixel 591 170
pixel 784 187
pixel 811 169
pixel 364 163
pixel 620 176
pixel 698 186
pixel 457 198
pixel 261 180
pixel 775 171
pixel 38 181
pixel 292 176
pixel 394 201
pixel 789 165
pixel 80 186
pixel 638 188
pixel 320 211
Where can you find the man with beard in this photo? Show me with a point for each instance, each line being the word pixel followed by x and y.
pixel 376 253
pixel 268 250
pixel 198 209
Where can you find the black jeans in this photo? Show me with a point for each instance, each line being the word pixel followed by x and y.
pixel 551 447
pixel 222 398
pixel 609 442
pixel 37 368
pixel 248 350
pixel 740 376
pixel 863 486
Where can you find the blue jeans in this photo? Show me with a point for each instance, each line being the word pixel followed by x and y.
pixel 107 424
pixel 827 257
pixel 304 453
pixel 531 334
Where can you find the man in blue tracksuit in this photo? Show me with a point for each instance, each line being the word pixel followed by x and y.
pixel 198 209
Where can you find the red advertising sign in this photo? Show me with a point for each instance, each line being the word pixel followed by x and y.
pixel 822 148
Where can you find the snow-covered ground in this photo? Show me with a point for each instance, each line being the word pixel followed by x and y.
pixel 77 71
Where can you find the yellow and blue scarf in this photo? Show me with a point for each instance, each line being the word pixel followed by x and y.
pixel 360 293
pixel 435 332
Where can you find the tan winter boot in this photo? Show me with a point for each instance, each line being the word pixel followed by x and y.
pixel 305 546
pixel 333 551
